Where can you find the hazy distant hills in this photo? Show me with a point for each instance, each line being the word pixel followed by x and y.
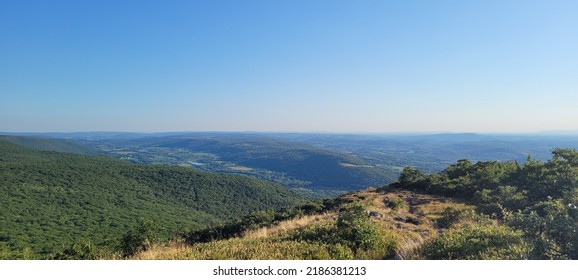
pixel 51 199
pixel 324 169
pixel 46 144
pixel 303 166
pixel 433 152
pixel 321 164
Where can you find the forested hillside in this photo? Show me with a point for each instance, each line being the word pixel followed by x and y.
pixel 52 201
pixel 46 144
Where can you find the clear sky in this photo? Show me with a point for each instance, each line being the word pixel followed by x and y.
pixel 289 65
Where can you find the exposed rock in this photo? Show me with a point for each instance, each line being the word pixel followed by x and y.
pixel 375 214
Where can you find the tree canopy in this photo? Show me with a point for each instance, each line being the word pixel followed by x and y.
pixel 51 200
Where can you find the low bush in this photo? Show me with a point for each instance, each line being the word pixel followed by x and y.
pixel 479 243
pixel 396 204
pixel 353 230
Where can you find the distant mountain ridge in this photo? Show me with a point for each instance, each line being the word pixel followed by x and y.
pixel 46 144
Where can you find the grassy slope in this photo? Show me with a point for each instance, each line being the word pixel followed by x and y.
pixel 406 221
pixel 52 199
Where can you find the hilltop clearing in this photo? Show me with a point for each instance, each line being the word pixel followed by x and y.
pixel 372 224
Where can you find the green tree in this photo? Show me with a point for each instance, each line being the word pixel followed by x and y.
pixel 410 175
pixel 140 238
pixel 77 251
pixel 460 169
pixel 551 226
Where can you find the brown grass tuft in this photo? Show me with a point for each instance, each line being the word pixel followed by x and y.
pixel 287 226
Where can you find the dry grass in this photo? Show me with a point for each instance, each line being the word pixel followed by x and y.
pixel 285 227
pixel 241 249
pixel 411 225
pixel 406 249
pixel 175 250
pixel 413 221
pixel 435 208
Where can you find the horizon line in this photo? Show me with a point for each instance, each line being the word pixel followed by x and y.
pixel 440 132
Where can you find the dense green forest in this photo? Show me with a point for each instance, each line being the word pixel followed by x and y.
pixel 537 198
pixel 53 201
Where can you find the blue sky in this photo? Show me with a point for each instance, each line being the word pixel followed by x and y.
pixel 334 66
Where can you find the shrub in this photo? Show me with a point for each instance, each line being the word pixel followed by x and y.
pixel 354 231
pixel 312 207
pixel 139 239
pixel 450 216
pixel 494 242
pixel 410 175
pixel 258 219
pixel 77 251
pixel 396 204
pixel 366 239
